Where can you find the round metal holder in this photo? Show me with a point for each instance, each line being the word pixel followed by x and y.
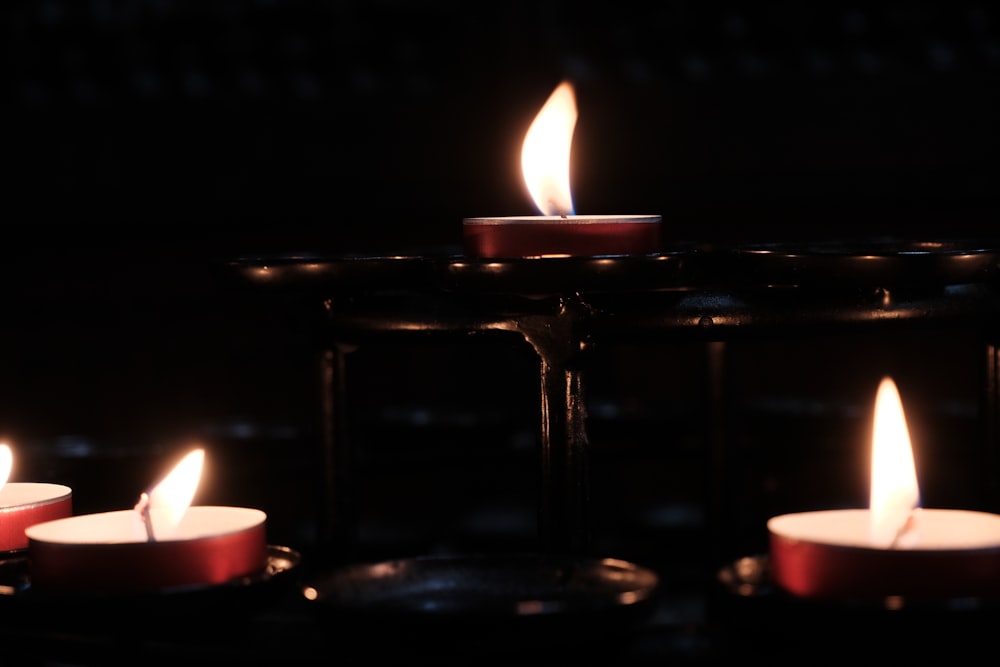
pixel 680 266
pixel 881 262
pixel 757 618
pixel 468 604
pixel 180 603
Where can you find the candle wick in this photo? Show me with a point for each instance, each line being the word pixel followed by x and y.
pixel 142 507
pixel 558 209
pixel 904 528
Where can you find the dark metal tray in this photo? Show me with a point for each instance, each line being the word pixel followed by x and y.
pixel 16 591
pixel 885 263
pixel 757 617
pixel 503 601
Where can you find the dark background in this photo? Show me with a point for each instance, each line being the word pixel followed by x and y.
pixel 146 144
pixel 334 125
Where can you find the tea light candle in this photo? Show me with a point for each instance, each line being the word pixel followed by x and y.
pixel 893 548
pixel 163 543
pixel 545 163
pixel 23 504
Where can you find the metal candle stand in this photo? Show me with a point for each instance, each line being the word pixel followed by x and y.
pixel 564 306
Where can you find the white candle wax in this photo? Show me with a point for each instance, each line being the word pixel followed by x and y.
pixel 19 495
pixel 828 554
pixel 124 526
pixel 110 552
pixel 936 529
pixel 23 504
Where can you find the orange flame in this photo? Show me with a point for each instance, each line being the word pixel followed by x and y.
pixel 545 153
pixel 169 500
pixel 894 494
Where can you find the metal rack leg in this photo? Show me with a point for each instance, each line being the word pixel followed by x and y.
pixel 560 341
pixel 338 522
pixel 991 424
pixel 564 523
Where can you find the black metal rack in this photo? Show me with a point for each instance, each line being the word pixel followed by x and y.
pixel 562 312
pixel 562 307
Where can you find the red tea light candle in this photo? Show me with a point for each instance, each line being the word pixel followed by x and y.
pixel 894 548
pixel 558 232
pixel 23 504
pixel 163 543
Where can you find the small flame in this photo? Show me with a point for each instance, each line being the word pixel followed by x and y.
pixel 546 150
pixel 168 501
pixel 6 463
pixel 894 495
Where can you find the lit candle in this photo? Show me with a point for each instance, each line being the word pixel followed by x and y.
pixel 23 504
pixel 893 548
pixel 162 543
pixel 545 164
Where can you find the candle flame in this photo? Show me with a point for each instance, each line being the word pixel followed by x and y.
pixel 546 151
pixel 6 463
pixel 894 494
pixel 168 501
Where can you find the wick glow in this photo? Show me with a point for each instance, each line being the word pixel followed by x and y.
pixel 167 502
pixel 545 153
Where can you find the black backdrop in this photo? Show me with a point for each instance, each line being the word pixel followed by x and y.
pixel 148 142
pixel 356 125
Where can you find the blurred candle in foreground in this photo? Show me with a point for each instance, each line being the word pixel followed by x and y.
pixel 893 548
pixel 558 232
pixel 163 543
pixel 23 504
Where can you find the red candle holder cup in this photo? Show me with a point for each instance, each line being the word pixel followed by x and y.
pixel 561 236
pixel 961 558
pixel 23 504
pixel 99 553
